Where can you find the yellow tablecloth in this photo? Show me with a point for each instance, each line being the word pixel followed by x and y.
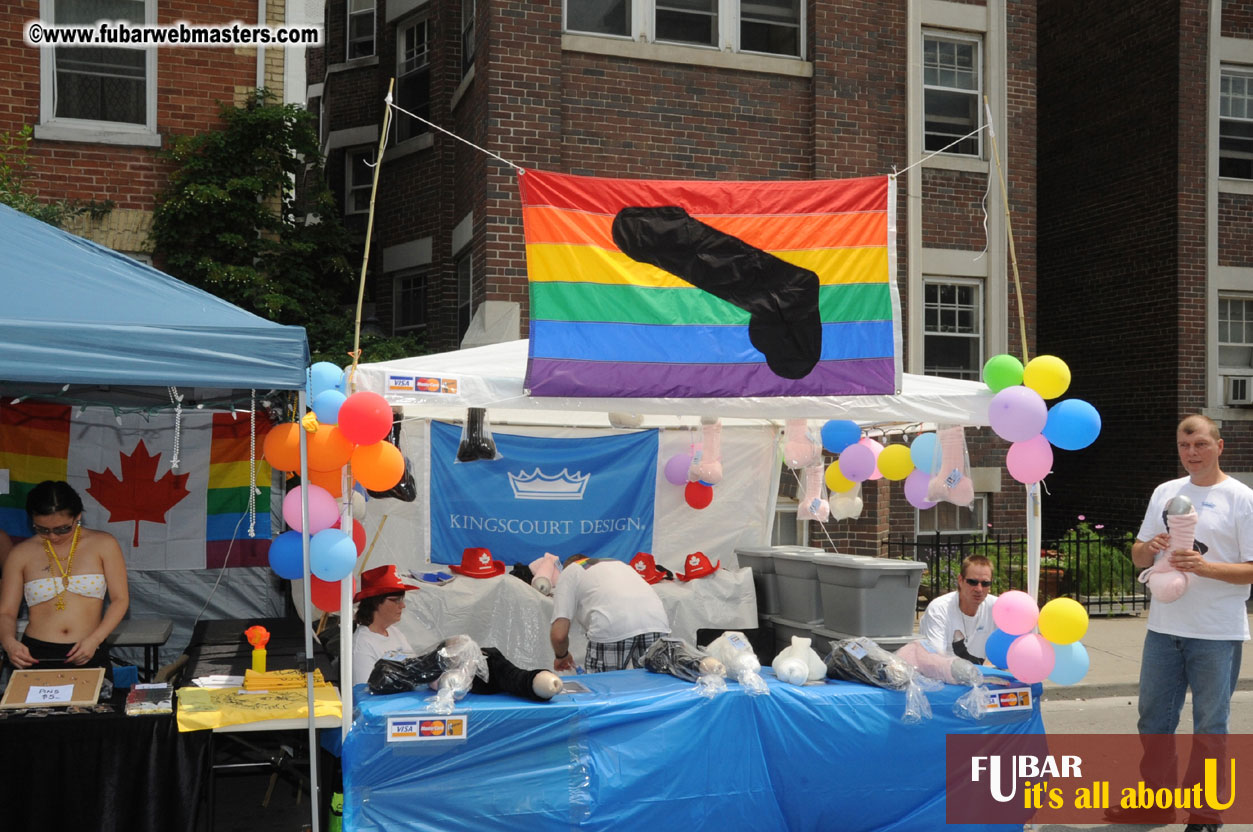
pixel 206 708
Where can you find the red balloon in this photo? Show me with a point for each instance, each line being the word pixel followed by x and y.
pixel 365 418
pixel 698 495
pixel 358 534
pixel 325 594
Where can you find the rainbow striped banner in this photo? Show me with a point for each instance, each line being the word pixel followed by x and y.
pixel 34 446
pixel 693 289
pixel 226 501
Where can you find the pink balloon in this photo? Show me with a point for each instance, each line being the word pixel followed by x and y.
pixel 1015 612
pixel 1030 658
pixel 857 462
pixel 323 509
pixel 676 469
pixel 1017 413
pixel 876 448
pixel 1031 460
pixel 916 490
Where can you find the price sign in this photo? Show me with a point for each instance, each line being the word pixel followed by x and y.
pixel 49 694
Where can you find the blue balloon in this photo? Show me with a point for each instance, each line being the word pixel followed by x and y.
pixel 922 453
pixel 332 554
pixel 326 406
pixel 997 648
pixel 325 376
pixel 287 556
pixel 1072 424
pixel 1070 663
pixel 838 434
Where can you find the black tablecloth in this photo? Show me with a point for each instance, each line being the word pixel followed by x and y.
pixel 99 772
pixel 219 647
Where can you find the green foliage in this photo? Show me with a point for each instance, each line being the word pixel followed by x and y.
pixel 1104 562
pixel 231 222
pixel 14 167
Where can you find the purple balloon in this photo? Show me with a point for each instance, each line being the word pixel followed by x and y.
pixel 676 469
pixel 1017 413
pixel 916 490
pixel 857 462
pixel 1030 461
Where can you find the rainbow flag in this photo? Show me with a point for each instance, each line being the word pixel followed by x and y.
pixel 695 289
pixel 226 501
pixel 34 445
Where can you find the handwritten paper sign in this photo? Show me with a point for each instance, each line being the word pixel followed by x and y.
pixel 49 694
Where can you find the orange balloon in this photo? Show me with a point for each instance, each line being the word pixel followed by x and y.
pixel 282 447
pixel 332 481
pixel 379 466
pixel 329 450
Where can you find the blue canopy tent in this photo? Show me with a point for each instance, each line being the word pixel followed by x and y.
pixel 81 322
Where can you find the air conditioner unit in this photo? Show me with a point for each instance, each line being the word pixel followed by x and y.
pixel 1238 389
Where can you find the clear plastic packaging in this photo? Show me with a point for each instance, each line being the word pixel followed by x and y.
pixel 691 664
pixel 813 503
pixel 461 660
pixel 476 437
pixel 801 446
pixel 951 483
pixel 736 654
pixel 861 660
pixel 707 462
pixel 952 670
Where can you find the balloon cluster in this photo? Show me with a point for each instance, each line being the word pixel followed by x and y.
pixel 862 458
pixel 699 470
pixel 346 430
pixel 1055 653
pixel 1018 414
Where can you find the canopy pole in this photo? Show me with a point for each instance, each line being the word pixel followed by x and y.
pixel 1034 538
pixel 315 798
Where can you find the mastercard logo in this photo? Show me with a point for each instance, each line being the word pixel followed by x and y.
pixel 432 728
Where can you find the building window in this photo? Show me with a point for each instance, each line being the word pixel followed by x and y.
pixel 465 294
pixel 952 327
pixel 952 89
pixel 467 35
pixel 1235 332
pixel 97 84
pixel 1235 123
pixel 946 518
pixel 788 528
pixel 773 27
pixel 360 29
pixel 359 176
pixel 413 78
pixel 409 292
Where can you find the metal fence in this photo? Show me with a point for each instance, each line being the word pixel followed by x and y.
pixel 1094 570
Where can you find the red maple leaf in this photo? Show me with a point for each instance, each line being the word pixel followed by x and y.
pixel 138 495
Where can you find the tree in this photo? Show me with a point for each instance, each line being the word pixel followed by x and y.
pixel 232 221
pixel 14 164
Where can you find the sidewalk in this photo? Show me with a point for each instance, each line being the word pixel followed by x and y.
pixel 1114 645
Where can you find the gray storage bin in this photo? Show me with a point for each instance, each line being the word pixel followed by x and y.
pixel 760 559
pixel 800 598
pixel 866 596
pixel 784 629
pixel 823 638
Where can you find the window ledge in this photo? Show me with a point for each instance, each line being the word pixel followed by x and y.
pixel 1235 186
pixel 947 161
pixel 460 92
pixel 355 63
pixel 96 135
pixel 425 141
pixel 691 55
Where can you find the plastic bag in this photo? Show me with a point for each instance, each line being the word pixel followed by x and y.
pixel 813 503
pixel 953 670
pixel 861 660
pixel 951 483
pixel 736 654
pixel 801 447
pixel 391 676
pixel 1167 583
pixel 476 437
pixel 707 462
pixel 691 664
pixel 461 660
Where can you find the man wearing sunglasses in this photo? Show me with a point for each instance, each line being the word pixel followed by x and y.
pixel 960 622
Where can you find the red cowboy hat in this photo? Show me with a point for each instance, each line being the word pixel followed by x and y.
pixel 697 566
pixel 646 568
pixel 478 563
pixel 381 580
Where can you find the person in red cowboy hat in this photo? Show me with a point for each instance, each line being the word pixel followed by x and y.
pixel 380 603
pixel 697 565
pixel 621 614
pixel 478 563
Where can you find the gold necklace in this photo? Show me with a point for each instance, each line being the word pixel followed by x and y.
pixel 64 570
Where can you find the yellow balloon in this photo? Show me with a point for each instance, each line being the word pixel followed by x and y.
pixel 1063 621
pixel 895 462
pixel 1048 375
pixel 836 482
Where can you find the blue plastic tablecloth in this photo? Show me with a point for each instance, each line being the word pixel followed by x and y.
pixel 643 751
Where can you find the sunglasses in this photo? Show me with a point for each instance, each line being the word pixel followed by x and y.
pixel 59 530
pixel 973 582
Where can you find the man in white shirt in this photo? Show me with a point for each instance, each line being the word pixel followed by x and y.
pixel 959 623
pixel 621 614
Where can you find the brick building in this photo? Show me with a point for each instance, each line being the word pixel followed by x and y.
pixel 1145 243
pixel 100 115
pixel 721 89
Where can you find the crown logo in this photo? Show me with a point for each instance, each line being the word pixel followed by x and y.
pixel 540 486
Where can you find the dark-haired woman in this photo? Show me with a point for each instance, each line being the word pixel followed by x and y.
pixel 64 571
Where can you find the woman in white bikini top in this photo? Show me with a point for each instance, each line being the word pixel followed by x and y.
pixel 64 571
